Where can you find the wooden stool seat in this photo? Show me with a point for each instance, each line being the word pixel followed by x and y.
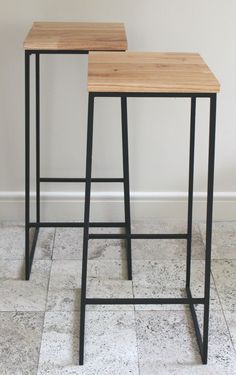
pixel 76 36
pixel 150 72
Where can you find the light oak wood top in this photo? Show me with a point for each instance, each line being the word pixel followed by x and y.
pixel 150 72
pixel 76 36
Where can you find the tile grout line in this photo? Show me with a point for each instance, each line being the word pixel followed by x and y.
pixel 217 292
pixel 135 324
pixel 222 309
pixel 37 369
pixel 53 243
pixel 202 237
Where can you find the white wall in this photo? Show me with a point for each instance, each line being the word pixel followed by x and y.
pixel 158 129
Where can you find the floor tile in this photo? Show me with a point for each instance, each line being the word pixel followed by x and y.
pixel 12 242
pixel 44 247
pixel 19 295
pixel 158 279
pixel 167 342
pixel 69 244
pixel 223 239
pixel 110 289
pixel 110 343
pixel 60 339
pixel 164 338
pixel 224 273
pixel 107 249
pixel 15 270
pixel 105 279
pixel 20 338
pixel 107 269
pixel 69 299
pixel 11 269
pixel 162 226
pixel 66 274
pixel 165 249
pixel 63 299
pixel 230 317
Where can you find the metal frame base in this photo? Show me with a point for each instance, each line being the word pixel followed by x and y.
pixel 202 339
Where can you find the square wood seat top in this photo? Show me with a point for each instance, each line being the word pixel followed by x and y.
pixel 76 36
pixel 150 72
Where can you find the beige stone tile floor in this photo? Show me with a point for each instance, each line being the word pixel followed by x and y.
pixel 39 319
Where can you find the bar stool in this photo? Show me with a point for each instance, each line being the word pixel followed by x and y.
pixel 64 38
pixel 126 75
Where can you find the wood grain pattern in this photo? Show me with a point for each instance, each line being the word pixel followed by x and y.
pixel 150 72
pixel 76 36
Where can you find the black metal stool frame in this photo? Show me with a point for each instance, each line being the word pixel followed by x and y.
pixel 30 247
pixel 202 339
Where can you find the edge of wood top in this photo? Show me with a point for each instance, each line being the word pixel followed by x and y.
pixel 89 36
pixel 160 72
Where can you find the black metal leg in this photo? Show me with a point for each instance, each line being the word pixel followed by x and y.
pixel 86 224
pixel 125 148
pixel 27 165
pixel 30 248
pixel 37 106
pixel 209 224
pixel 190 190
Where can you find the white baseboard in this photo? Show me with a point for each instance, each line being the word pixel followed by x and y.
pixel 68 206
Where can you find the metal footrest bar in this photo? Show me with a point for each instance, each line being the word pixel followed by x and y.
pixel 143 301
pixel 135 236
pixel 77 225
pixel 195 322
pixel 80 180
